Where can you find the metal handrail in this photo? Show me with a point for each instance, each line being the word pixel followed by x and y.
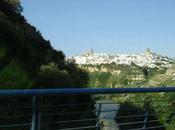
pixel 79 91
pixel 36 115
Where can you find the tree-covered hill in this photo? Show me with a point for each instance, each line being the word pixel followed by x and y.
pixel 27 60
pixel 23 51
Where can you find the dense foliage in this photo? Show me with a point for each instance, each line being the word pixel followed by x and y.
pixel 27 61
pixel 23 49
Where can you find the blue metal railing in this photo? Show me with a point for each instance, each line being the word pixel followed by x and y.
pixel 39 92
pixel 36 115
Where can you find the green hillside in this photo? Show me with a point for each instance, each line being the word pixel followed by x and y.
pixel 122 76
pixel 23 51
pixel 116 76
pixel 27 60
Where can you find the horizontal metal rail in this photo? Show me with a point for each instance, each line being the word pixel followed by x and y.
pixel 148 128
pixel 35 117
pixel 15 125
pixel 79 128
pixel 77 91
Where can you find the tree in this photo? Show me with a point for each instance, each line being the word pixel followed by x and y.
pixel 79 77
pixel 16 4
pixel 50 76
pixel 12 9
pixel 145 71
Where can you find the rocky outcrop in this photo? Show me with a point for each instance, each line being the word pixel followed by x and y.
pixel 171 71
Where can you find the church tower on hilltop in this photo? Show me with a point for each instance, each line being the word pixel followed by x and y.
pixel 148 52
pixel 88 52
pixel 91 51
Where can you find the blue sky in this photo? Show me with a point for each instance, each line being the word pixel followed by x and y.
pixel 113 26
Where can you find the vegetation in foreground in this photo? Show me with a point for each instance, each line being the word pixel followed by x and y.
pixel 28 61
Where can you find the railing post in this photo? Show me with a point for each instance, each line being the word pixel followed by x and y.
pixel 145 120
pixel 98 115
pixel 147 107
pixel 99 110
pixel 35 114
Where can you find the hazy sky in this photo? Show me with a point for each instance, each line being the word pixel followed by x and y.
pixel 113 26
